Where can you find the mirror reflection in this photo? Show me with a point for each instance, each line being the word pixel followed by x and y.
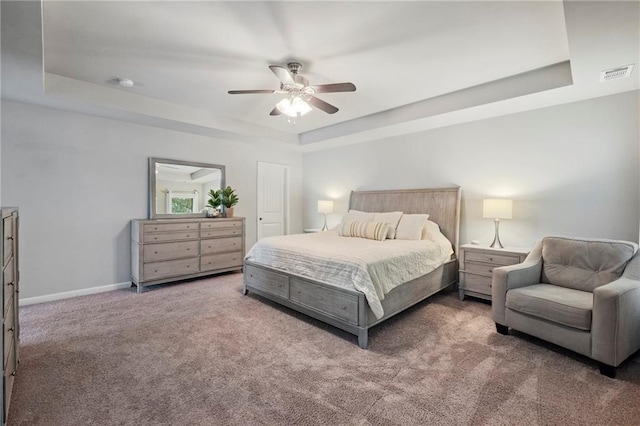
pixel 180 188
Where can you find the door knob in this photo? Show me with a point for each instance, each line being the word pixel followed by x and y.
pixel 259 218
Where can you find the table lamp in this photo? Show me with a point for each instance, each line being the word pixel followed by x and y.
pixel 497 209
pixel 324 207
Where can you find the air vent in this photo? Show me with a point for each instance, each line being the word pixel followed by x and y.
pixel 615 73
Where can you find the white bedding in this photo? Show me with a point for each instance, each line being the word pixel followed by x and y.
pixel 372 267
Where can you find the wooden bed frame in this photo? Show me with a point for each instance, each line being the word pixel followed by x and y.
pixel 348 309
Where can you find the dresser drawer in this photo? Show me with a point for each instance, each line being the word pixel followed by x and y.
pixel 220 245
pixel 220 261
pixel 9 330
pixel 479 268
pixel 169 236
pixel 9 375
pixel 339 304
pixel 477 283
pixel 170 268
pixel 496 259
pixel 268 281
pixel 217 224
pixel 222 232
pixel 9 284
pixel 165 251
pixel 169 227
pixel 7 235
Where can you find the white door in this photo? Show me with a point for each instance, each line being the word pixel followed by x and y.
pixel 273 199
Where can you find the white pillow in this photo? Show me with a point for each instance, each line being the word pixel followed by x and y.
pixel 411 226
pixel 357 215
pixel 392 218
pixel 430 228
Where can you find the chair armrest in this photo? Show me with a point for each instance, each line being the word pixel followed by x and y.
pixel 615 328
pixel 507 278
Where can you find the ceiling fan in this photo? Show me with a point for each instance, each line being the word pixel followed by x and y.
pixel 299 93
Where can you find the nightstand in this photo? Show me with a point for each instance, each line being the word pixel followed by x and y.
pixel 476 267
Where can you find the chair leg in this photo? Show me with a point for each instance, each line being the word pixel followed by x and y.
pixel 607 370
pixel 502 329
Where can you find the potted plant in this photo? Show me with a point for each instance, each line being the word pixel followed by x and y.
pixel 228 199
pixel 215 201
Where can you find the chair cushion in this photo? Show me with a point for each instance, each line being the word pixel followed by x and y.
pixel 561 305
pixel 584 264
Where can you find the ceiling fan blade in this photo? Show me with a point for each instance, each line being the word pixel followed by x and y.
pixel 283 74
pixel 248 92
pixel 275 111
pixel 322 105
pixel 336 87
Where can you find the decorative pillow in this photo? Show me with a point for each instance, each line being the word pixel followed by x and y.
pixel 371 230
pixel 393 218
pixel 411 226
pixel 430 228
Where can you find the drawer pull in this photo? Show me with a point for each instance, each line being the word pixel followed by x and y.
pixel 188 235
pixel 9 238
pixel 279 285
pixel 13 374
pixel 11 283
pixel 298 292
pixel 188 249
pixel 344 307
pixel 251 275
pixel 491 270
pixel 155 252
pixel 155 238
pixel 11 329
pixel 490 285
pixel 491 259
pixel 155 270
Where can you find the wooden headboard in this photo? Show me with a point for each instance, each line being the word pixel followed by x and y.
pixel 442 205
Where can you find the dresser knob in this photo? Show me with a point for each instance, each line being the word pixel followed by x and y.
pixel 491 270
pixel 251 275
pixel 188 249
pixel 13 374
pixel 298 292
pixel 491 259
pixel 344 307
pixel 155 270
pixel 155 252
pixel 155 238
pixel 279 285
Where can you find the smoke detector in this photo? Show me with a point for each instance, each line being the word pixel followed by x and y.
pixel 616 73
pixel 125 82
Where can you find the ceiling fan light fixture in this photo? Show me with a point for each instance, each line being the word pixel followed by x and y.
pixel 293 107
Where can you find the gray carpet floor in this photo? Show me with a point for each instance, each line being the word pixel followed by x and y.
pixel 200 353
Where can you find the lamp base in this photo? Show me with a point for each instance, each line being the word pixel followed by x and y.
pixel 496 239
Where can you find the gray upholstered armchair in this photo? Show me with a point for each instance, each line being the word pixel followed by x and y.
pixel 583 295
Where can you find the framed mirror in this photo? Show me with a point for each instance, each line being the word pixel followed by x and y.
pixel 179 189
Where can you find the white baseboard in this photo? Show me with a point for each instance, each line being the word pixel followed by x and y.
pixel 68 294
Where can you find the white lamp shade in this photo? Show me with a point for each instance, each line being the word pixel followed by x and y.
pixel 497 209
pixel 325 206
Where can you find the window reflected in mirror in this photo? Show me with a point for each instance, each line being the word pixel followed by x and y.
pixel 181 188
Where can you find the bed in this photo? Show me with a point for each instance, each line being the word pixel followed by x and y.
pixel 325 298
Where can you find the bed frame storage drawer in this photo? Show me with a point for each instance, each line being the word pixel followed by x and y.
pixel 267 281
pixel 166 251
pixel 343 306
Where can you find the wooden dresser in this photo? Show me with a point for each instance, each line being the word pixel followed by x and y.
pixel 164 250
pixel 10 278
pixel 476 267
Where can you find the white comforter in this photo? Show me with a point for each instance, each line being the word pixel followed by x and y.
pixel 372 267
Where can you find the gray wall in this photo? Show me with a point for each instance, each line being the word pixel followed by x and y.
pixel 571 170
pixel 79 180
